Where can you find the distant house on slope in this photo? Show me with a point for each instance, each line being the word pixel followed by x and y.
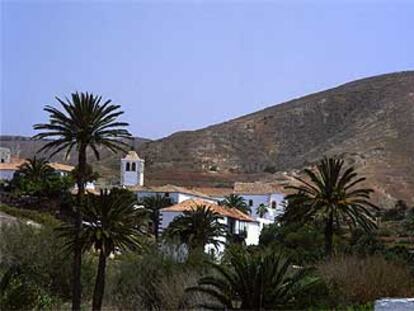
pixel 9 165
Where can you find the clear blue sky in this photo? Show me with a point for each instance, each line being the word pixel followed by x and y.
pixel 188 64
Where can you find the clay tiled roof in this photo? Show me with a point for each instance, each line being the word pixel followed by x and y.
pixel 12 165
pixel 132 156
pixel 15 163
pixel 214 192
pixel 258 188
pixel 169 189
pixel 191 204
pixel 61 167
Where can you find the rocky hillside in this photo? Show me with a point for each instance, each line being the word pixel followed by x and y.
pixel 369 121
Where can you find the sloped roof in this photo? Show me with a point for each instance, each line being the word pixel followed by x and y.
pixel 258 188
pixel 213 191
pixel 170 189
pixel 191 204
pixel 15 163
pixel 61 167
pixel 132 156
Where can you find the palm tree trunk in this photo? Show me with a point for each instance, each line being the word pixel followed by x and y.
pixel 77 252
pixel 156 224
pixel 329 235
pixel 100 282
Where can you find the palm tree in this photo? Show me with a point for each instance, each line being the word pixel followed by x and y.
pixel 236 201
pixel 331 196
pixel 36 169
pixel 261 210
pixel 253 281
pixel 154 204
pixel 111 223
pixel 197 228
pixel 83 122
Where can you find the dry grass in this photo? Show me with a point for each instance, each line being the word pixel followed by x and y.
pixel 362 280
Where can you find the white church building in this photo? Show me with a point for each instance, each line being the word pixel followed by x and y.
pixel 182 199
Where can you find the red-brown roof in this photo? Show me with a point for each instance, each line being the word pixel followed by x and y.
pixel 191 204
pixel 213 191
pixel 15 164
pixel 258 188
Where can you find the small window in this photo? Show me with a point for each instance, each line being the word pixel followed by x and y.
pixel 128 167
pixel 134 167
pixel 2 160
pixel 273 204
pixel 167 194
pixel 250 202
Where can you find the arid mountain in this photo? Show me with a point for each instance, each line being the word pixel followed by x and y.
pixel 369 121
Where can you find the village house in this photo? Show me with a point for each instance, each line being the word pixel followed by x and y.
pixel 9 165
pixel 183 199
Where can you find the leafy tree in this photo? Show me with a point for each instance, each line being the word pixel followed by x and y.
pixel 261 210
pixel 36 169
pixel 112 222
pixel 331 196
pixel 236 201
pixel 256 280
pixel 154 204
pixel 37 177
pixel 197 228
pixel 83 122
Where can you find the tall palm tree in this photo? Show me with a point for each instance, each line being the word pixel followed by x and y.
pixel 84 122
pixel 261 210
pixel 236 201
pixel 197 228
pixel 254 281
pixel 111 222
pixel 154 204
pixel 36 169
pixel 331 195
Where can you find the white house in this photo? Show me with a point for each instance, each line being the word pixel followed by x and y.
pixel 270 195
pixel 9 165
pixel 255 194
pixel 237 222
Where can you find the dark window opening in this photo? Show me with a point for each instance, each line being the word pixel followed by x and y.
pixel 167 195
pixel 250 202
pixel 273 204
pixel 128 167
pixel 2 160
pixel 134 167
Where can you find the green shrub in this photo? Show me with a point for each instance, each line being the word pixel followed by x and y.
pixel 38 254
pixel 25 214
pixel 303 243
pixel 150 282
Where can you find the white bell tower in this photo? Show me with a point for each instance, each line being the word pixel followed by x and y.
pixel 132 170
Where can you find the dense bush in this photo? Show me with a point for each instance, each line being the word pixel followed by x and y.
pixel 303 243
pixel 356 280
pixel 151 282
pixel 33 261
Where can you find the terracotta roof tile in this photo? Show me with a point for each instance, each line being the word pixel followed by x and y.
pixel 170 189
pixel 258 188
pixel 15 163
pixel 214 192
pixel 191 204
